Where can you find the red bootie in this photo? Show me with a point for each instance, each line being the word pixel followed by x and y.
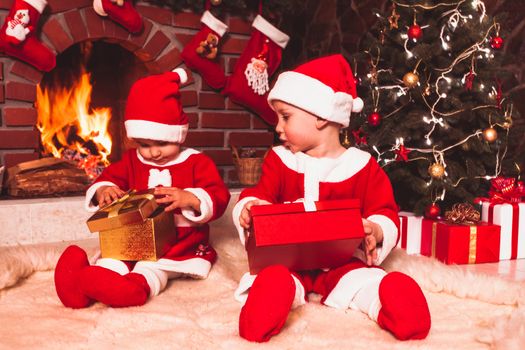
pixel 113 289
pixel 268 304
pixel 404 310
pixel 67 271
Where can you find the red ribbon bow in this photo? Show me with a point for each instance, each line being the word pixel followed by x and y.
pixel 506 190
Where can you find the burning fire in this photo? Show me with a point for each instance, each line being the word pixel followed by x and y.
pixel 70 130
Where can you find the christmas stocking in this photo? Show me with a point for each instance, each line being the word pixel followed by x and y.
pixel 404 310
pixel 201 52
pixel 120 11
pixel 18 38
pixel 268 304
pixel 248 84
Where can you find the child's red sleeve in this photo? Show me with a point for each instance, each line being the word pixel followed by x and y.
pixel 208 179
pixel 117 173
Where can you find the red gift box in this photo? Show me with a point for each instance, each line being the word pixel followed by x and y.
pixel 304 236
pixel 465 244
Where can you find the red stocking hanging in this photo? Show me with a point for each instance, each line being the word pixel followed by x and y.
pixel 200 53
pixel 248 84
pixel 120 11
pixel 18 38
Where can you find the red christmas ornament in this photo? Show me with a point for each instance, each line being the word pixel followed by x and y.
pixel 402 154
pixel 374 119
pixel 415 32
pixel 496 43
pixel 469 80
pixel 432 211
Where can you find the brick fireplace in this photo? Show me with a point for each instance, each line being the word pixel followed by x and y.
pixel 215 121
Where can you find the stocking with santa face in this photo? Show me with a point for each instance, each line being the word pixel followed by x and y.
pixel 249 83
pixel 18 35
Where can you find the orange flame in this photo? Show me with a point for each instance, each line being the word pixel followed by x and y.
pixel 65 122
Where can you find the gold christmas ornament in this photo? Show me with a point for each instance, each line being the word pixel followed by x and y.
pixel 215 2
pixel 410 79
pixel 436 171
pixel 490 134
pixel 393 18
pixel 507 125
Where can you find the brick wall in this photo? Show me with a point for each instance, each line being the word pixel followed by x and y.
pixel 215 121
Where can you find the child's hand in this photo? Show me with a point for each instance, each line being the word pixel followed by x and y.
pixel 107 194
pixel 177 198
pixel 246 219
pixel 373 236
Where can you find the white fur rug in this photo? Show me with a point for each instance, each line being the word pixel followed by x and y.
pixel 469 311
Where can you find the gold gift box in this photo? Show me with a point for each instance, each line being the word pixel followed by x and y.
pixel 134 228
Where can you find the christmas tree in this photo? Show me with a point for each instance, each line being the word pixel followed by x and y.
pixel 436 116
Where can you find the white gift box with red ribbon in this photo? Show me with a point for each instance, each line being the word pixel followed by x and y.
pixel 411 232
pixel 511 218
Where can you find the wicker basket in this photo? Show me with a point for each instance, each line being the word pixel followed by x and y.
pixel 248 169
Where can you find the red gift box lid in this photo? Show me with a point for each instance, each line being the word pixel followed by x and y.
pixel 291 223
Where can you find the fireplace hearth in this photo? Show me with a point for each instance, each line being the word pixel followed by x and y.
pixel 120 58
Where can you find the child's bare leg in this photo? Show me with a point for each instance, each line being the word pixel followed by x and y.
pixel 268 305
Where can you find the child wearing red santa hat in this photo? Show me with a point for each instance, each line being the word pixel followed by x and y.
pixel 186 181
pixel 313 102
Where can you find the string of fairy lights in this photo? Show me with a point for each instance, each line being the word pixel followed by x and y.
pixel 483 48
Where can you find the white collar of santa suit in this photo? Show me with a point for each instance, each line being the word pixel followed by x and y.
pixel 318 170
pixel 326 169
pixel 182 157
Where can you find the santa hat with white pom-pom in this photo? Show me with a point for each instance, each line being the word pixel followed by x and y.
pixel 154 109
pixel 324 87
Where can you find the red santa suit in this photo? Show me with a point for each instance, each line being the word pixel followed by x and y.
pixel 191 171
pixel 289 177
pixel 325 88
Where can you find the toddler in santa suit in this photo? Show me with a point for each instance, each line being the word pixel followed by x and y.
pixel 185 180
pixel 313 102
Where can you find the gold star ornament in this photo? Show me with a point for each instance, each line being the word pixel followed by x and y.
pixel 393 18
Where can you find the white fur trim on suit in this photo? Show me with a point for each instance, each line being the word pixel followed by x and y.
pixel 314 97
pixel 113 265
pixel 246 282
pixel 99 9
pixel 90 193
pixel 181 221
pixel 156 278
pixel 390 234
pixel 39 5
pixel 367 300
pixel 345 290
pixel 206 206
pixel 182 157
pixel 159 178
pixel 195 267
pixel 183 75
pixel 143 129
pixel 270 31
pixel 236 214
pixel 214 23
pixel 339 169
